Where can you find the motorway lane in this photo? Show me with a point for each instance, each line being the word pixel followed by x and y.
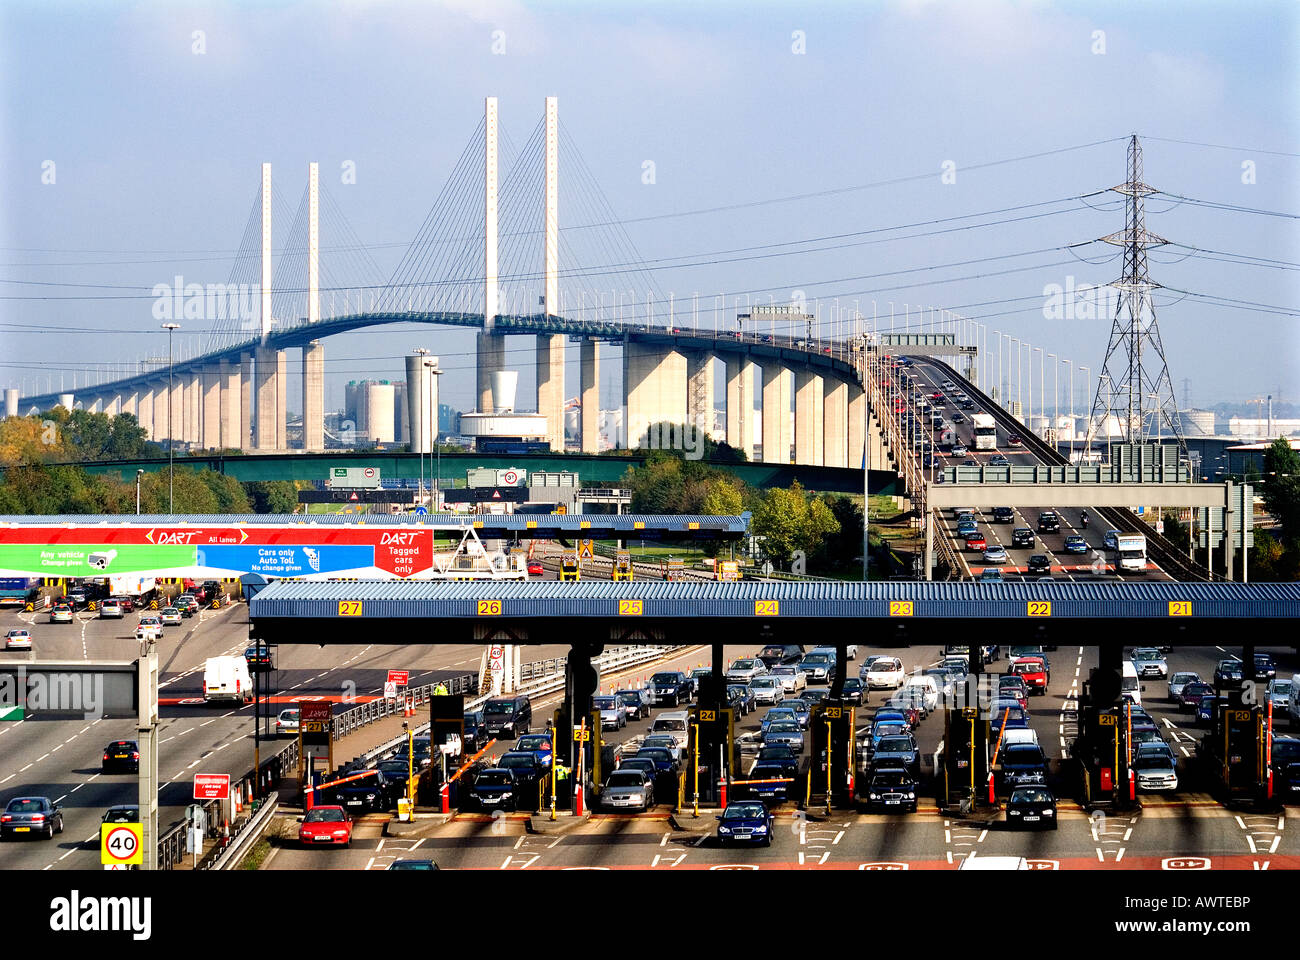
pixel 61 758
pixel 1090 566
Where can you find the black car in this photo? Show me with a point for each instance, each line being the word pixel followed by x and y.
pixel 476 734
pixel 31 816
pixel 745 696
pixel 1003 515
pixel 121 755
pixel 258 658
pixel 210 590
pixel 1022 537
pixel 494 789
pixel 1228 671
pixel 121 813
pixel 737 701
pixel 780 655
pixel 891 788
pixel 1023 764
pixel 1049 522
pixel 671 687
pixel 854 690
pixel 394 773
pixel 1265 668
pixel 1286 768
pixel 369 793
pixel 508 716
pixel 663 758
pixel 523 764
pixel 1031 806
pixel 77 597
pixel 1039 563
pixel 422 752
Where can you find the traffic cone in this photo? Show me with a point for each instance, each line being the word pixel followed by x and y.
pixel 992 795
pixel 446 797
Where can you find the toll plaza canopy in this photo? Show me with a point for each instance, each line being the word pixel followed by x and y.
pixel 813 612
pixel 290 545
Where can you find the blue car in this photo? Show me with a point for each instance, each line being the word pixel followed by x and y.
pixel 885 715
pixel 747 822
pixel 802 709
pixel 898 749
pixel 747 699
pixel 771 770
pixel 1205 711
pixel 882 730
pixel 1014 715
pixel 1075 544
pixel 966 528
pixel 784 731
pixel 777 714
pixel 539 745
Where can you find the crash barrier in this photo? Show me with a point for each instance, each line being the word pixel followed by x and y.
pixel 252 832
pixel 250 789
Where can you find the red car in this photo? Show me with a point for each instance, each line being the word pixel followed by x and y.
pixel 324 825
pixel 1033 671
pixel 535 568
pixel 127 604
pixel 1014 439
pixel 976 541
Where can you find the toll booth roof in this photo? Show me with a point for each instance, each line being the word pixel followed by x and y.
pixel 1180 603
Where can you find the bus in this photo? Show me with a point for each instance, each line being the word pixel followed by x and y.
pixel 985 430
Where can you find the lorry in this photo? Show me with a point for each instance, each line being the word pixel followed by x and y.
pixel 1131 551
pixel 19 590
pixel 227 678
pixel 131 585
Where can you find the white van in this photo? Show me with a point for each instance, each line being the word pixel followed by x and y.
pixel 929 689
pixel 1129 683
pixel 676 725
pixel 227 678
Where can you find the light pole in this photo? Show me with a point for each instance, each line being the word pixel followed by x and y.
pixel 1040 382
pixel 1019 391
pixel 171 443
pixel 432 367
pixel 1073 422
pixel 138 474
pixel 1087 378
pixel 997 391
pixel 419 496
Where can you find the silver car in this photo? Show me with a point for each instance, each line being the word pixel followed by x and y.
pixel 628 789
pixel 1180 680
pixel 110 608
pixel 612 712
pixel 746 669
pixel 792 679
pixel 768 689
pixel 1280 694
pixel 1149 663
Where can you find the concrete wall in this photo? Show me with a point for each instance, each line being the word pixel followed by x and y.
pixel 313 396
pixel 246 401
pixel 211 425
pixel 490 349
pixel 654 389
pixel 228 374
pixel 267 390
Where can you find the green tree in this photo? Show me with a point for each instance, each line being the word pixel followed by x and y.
pixel 1281 489
pixel 721 499
pixel 788 520
pixel 272 496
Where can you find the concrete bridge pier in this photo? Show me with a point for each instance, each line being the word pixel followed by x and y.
pixel 144 411
pixel 654 391
pixel 245 404
pixel 491 358
pixel 776 413
pixel 174 407
pixel 835 437
pixel 857 425
pixel 313 396
pixel 270 391
pixel 211 432
pixel 113 404
pixel 699 391
pixel 589 395
pixel 740 402
pixel 550 386
pixel 228 379
pixel 809 418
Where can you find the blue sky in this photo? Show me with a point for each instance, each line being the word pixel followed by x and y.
pixel 156 152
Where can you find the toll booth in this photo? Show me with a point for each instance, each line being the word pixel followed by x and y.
pixel 1235 754
pixel 569 568
pixel 726 571
pixel 965 756
pixel 674 569
pixel 832 769
pixel 623 566
pixel 1103 747
pixel 712 754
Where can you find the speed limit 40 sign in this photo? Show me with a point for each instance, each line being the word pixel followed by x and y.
pixel 121 844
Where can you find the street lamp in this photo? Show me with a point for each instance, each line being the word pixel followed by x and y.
pixel 171 443
pixel 138 474
pixel 419 497
pixel 1042 407
pixel 1087 378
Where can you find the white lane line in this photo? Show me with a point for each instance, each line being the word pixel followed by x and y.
pixel 663 841
pixel 838 837
pixel 26 768
pixel 1100 856
pixel 371 862
pixel 1276 841
pixel 947 836
pixel 1251 841
pixel 1281 821
pixel 1241 823
pixel 77 787
pixel 1119 856
pixel 41 757
pixel 983 833
pixel 520 842
pixel 1127 834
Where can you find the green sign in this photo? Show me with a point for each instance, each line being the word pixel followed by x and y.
pixel 91 560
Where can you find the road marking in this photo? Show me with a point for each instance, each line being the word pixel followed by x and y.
pixel 371 862
pixel 1251 841
pixel 26 768
pixel 1100 856
pixel 663 841
pixel 1127 834
pixel 550 846
pixel 1281 821
pixel 1241 823
pixel 838 837
pixel 947 836
pixel 983 833
pixel 60 799
pixel 949 852
pixel 1276 841
pixel 1119 856
pixel 519 843
pixel 77 787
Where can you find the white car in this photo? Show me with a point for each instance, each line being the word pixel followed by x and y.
pixel 792 679
pixel 767 689
pixel 110 608
pixel 18 640
pixel 927 691
pixel 1155 770
pixel 885 672
pixel 286 723
pixel 149 628
pixel 170 617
